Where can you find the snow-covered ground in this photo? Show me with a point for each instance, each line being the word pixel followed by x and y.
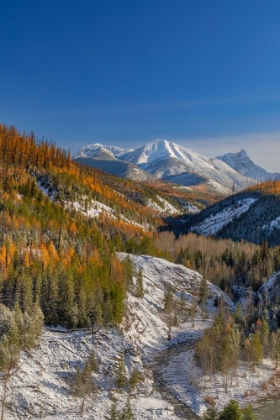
pixel 42 387
pixel 185 380
pixel 191 208
pixel 271 288
pixel 93 208
pixel 274 224
pixel 213 224
pixel 218 187
pixel 166 208
pixel 42 384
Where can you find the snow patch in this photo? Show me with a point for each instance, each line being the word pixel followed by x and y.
pixel 167 207
pixel 274 224
pixel 213 224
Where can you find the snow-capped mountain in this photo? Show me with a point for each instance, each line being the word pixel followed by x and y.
pixel 241 163
pixel 172 162
pixel 105 158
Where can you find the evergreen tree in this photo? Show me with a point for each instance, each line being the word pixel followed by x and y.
pixel 247 414
pixel 92 361
pixel 231 412
pixel 168 299
pixel 126 413
pixel 139 288
pixel 134 378
pixel 210 414
pixel 113 413
pixel 203 291
pixel 257 350
pixel 84 384
pixel 121 378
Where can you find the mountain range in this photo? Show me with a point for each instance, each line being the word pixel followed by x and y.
pixel 241 163
pixel 162 159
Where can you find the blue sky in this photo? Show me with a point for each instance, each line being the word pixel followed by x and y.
pixel 202 73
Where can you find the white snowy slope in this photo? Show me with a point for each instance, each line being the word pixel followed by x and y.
pixel 92 208
pixel 271 288
pixel 166 206
pixel 42 385
pixel 274 224
pixel 93 150
pixel 241 162
pixel 213 224
pixel 164 159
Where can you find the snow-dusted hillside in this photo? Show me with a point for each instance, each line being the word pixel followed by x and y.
pixel 42 386
pixel 168 160
pixel 214 223
pixel 166 206
pixel 241 162
pixel 92 208
pixel 271 288
pixel 271 226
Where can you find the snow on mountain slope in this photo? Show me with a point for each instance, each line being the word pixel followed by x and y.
pixel 93 208
pixel 271 288
pixel 115 167
pixel 164 159
pixel 241 162
pixel 42 386
pixel 92 150
pixel 158 275
pixel 213 224
pixel 158 150
pixel 274 224
pixel 167 207
pixel 152 154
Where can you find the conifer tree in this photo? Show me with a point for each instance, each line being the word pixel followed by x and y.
pixel 126 413
pixel 92 361
pixel 210 414
pixel 231 412
pixel 247 414
pixel 113 413
pixel 168 299
pixel 121 378
pixel 139 288
pixel 134 378
pixel 203 291
pixel 257 350
pixel 83 384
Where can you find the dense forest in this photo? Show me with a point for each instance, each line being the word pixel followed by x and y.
pixel 224 262
pixel 253 225
pixel 52 254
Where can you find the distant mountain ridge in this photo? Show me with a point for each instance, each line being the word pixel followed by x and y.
pixel 105 158
pixel 241 163
pixel 171 162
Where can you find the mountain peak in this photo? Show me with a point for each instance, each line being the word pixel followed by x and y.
pixel 242 153
pixel 241 163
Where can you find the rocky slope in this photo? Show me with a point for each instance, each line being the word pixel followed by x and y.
pixel 241 163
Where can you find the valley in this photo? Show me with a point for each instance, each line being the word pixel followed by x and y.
pixel 128 298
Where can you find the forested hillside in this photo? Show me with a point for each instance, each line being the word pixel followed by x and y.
pixel 252 215
pixel 51 252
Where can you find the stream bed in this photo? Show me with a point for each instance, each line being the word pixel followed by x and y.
pixel 269 409
pixel 161 360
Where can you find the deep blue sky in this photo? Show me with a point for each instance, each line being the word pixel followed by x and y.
pixel 202 73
